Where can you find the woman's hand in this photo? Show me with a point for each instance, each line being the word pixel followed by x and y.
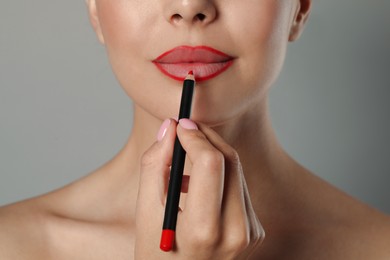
pixel 217 221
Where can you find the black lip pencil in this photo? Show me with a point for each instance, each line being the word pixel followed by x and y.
pixel 176 175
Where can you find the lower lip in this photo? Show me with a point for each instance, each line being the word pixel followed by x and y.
pixel 202 71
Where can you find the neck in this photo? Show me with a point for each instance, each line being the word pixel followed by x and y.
pixel 251 134
pixel 261 155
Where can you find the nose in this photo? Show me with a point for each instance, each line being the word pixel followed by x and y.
pixel 190 12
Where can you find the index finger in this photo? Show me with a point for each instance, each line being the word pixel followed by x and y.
pixel 206 186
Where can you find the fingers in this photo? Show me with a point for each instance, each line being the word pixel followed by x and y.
pixel 218 218
pixel 236 194
pixel 234 203
pixel 217 190
pixel 155 164
pixel 212 159
pixel 205 190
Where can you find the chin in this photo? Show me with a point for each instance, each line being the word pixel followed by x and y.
pixel 213 118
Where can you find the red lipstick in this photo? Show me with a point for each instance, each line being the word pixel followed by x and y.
pixel 204 61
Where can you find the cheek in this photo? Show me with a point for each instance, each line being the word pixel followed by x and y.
pixel 128 46
pixel 261 30
pixel 122 29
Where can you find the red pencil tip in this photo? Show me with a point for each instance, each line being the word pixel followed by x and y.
pixel 167 238
pixel 190 72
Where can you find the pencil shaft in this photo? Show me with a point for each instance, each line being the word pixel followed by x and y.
pixel 178 160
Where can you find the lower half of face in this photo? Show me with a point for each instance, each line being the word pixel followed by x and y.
pixel 252 34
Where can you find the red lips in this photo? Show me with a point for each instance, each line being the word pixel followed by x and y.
pixel 204 61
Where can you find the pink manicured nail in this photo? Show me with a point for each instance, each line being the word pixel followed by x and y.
pixel 163 129
pixel 188 124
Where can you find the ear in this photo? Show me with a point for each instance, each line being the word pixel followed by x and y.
pixel 301 15
pixel 94 19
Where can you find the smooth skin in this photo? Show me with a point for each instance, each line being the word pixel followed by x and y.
pixel 243 196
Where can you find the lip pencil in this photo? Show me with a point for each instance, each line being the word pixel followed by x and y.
pixel 176 175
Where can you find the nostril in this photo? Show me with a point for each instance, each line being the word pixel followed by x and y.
pixel 200 17
pixel 176 17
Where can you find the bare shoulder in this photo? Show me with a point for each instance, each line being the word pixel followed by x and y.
pixel 377 237
pixel 22 233
pixel 356 231
pixel 59 225
pixel 334 225
pixel 367 238
pixel 362 233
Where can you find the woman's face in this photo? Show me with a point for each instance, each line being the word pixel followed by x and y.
pixel 145 39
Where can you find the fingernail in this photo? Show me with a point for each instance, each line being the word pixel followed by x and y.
pixel 188 124
pixel 163 129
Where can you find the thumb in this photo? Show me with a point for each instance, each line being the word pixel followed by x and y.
pixel 155 166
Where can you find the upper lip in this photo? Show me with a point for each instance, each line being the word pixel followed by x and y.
pixel 189 54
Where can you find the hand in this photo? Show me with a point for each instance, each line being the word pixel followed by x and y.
pixel 218 221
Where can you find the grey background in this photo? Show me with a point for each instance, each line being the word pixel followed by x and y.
pixel 62 113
